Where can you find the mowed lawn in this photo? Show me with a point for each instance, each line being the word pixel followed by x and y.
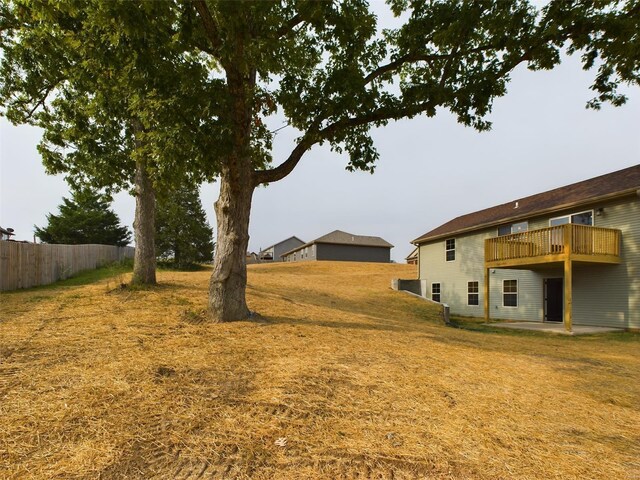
pixel 340 377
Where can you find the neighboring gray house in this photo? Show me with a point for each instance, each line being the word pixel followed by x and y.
pixel 275 251
pixel 568 255
pixel 342 246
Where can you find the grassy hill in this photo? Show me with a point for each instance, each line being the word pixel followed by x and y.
pixel 340 377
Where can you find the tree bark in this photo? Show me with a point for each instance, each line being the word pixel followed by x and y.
pixel 228 284
pixel 144 261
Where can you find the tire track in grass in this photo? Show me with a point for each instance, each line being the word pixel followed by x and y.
pixel 10 369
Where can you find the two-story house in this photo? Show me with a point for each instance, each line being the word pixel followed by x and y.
pixel 568 255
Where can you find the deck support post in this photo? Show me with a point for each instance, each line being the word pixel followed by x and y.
pixel 568 271
pixel 487 276
pixel 568 293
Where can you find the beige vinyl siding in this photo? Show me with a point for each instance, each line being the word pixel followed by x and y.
pixel 609 295
pixel 606 295
pixel 468 266
pixel 529 296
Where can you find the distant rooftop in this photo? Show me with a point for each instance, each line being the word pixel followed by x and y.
pixel 282 241
pixel 343 238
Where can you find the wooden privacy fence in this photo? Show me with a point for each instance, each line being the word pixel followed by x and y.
pixel 24 265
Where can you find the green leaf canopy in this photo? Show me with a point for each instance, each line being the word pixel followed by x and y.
pixel 86 70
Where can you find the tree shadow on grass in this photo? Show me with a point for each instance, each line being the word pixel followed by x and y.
pixel 83 278
pixel 190 267
pixel 378 326
pixel 375 314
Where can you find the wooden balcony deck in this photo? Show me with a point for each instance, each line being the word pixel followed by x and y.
pixel 577 243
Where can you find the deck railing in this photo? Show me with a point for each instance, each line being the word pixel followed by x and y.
pixel 558 240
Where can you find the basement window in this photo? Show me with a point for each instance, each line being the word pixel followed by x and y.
pixel 510 293
pixel 435 292
pixel 450 249
pixel 473 297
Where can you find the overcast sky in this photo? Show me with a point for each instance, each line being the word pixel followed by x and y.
pixel 430 170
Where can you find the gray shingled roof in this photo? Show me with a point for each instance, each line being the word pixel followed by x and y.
pixel 609 185
pixel 282 241
pixel 343 238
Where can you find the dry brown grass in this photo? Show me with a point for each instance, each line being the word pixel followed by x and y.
pixel 360 382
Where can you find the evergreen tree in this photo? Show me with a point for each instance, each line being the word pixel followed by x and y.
pixel 85 218
pixel 182 230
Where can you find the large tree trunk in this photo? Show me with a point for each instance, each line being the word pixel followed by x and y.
pixel 227 287
pixel 144 261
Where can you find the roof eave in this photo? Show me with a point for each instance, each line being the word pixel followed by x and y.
pixel 282 241
pixel 424 239
pixel 298 248
pixel 334 243
pixel 357 244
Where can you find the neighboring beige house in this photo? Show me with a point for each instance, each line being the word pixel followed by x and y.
pixel 412 258
pixel 568 255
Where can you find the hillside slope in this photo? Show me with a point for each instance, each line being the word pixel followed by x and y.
pixel 340 377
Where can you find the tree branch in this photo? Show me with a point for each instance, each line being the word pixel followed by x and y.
pixel 38 104
pixel 288 26
pixel 446 71
pixel 43 94
pixel 299 18
pixel 315 136
pixel 205 49
pixel 211 29
pixel 380 115
pixel 286 167
pixel 418 57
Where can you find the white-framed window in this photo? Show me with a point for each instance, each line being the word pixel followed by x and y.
pixel 473 295
pixel 579 218
pixel 450 249
pixel 435 292
pixel 510 293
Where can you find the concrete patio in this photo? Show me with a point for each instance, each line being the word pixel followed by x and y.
pixel 554 328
